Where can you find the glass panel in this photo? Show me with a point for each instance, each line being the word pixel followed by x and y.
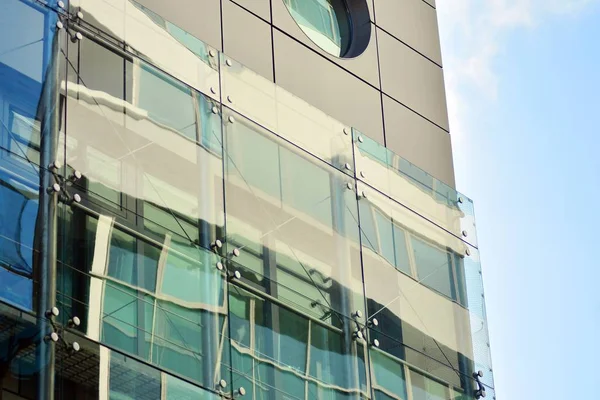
pixel 278 352
pixel 140 153
pixel 18 246
pixel 435 310
pixel 294 222
pixel 387 376
pixel 149 36
pixel 22 341
pixel 424 388
pixel 129 379
pixel 25 57
pixel 414 188
pixel 161 300
pixel 27 71
pixel 288 116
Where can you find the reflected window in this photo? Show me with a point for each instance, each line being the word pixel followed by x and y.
pixel 434 267
pixel 325 22
pixel 424 388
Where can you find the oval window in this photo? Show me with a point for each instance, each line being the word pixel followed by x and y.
pixel 327 23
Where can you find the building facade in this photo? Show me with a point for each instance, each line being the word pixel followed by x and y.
pixel 205 199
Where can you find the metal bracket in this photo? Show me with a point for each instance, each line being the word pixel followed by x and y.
pixel 480 392
pixel 57 334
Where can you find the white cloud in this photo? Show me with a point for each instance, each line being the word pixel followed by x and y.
pixel 474 33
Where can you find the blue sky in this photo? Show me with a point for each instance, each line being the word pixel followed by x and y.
pixel 523 86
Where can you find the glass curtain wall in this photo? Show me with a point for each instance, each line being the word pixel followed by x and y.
pixel 208 249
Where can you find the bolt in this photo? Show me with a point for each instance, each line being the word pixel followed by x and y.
pixel 75 347
pixel 216 244
pixel 231 119
pixel 241 391
pixel 215 110
pixel 464 233
pixel 55 165
pixel 228 62
pixel 375 343
pixel 362 174
pixel 61 4
pixel 53 312
pixel 213 90
pixel 357 314
pixel 346 131
pixel 229 99
pixel 374 322
pixel 74 322
pixel 361 139
pixel 211 53
pixel 347 166
pixel 79 15
pixel 52 337
pixel 236 252
pixel 219 266
pixel 76 175
pixel 358 335
pixel 468 252
pixel 349 185
pixel 364 194
pixel 59 25
pixel 237 275
pixel 223 383
pixel 77 198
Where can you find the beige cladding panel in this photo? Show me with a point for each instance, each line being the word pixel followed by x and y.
pixel 200 18
pixel 412 79
pixel 262 8
pixel 327 86
pixel 412 21
pixel 419 141
pixel 247 39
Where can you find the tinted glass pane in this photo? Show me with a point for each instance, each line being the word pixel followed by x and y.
pixel 414 188
pixel 424 388
pixel 18 215
pixel 421 319
pixel 152 38
pixel 286 115
pixel 388 376
pixel 161 300
pixel 294 215
pixel 130 379
pixel 278 352
pixel 434 266
pixel 126 122
pixel 402 258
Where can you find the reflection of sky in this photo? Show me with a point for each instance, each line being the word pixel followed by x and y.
pixel 23 51
pixel 522 81
pixel 17 225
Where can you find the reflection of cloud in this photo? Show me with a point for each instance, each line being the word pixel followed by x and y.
pixel 473 34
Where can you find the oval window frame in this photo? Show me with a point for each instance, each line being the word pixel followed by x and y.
pixel 358 28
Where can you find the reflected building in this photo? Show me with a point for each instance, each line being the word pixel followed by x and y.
pixel 232 199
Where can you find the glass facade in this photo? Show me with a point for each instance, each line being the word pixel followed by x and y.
pixel 205 234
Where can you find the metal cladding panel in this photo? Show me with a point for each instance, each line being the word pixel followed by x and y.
pixel 412 79
pixel 414 22
pixel 200 18
pixel 418 140
pixel 247 39
pixel 262 8
pixel 326 86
